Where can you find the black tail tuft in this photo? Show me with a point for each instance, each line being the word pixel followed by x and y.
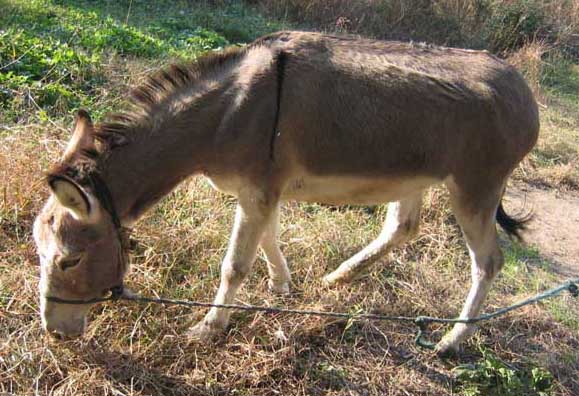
pixel 512 225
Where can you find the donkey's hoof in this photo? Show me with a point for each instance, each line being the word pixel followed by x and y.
pixel 334 279
pixel 282 288
pixel 446 348
pixel 203 332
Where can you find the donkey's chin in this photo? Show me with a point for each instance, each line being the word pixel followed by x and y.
pixel 64 335
pixel 64 322
pixel 66 332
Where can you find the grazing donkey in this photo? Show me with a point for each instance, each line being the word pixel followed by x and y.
pixel 293 116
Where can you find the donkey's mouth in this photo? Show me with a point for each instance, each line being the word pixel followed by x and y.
pixel 60 336
pixel 65 333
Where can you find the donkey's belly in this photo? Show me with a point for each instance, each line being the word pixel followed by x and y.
pixel 339 190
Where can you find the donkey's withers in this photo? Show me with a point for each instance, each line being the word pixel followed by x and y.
pixel 293 116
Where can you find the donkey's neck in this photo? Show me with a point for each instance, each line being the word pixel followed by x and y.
pixel 175 143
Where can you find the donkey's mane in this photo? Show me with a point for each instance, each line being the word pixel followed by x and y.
pixel 153 92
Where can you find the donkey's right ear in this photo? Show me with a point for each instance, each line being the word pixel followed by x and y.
pixel 82 136
pixel 72 196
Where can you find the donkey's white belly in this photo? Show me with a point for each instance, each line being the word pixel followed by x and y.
pixel 336 190
pixel 230 185
pixel 339 190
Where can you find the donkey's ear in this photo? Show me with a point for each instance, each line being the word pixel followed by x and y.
pixel 82 136
pixel 71 195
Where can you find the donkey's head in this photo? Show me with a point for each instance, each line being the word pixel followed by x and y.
pixel 78 237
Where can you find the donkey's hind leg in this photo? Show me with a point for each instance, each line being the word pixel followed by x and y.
pixel 279 274
pixel 401 224
pixel 477 219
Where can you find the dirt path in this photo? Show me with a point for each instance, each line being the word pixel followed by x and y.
pixel 555 226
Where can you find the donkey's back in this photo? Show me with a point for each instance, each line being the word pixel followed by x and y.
pixel 364 108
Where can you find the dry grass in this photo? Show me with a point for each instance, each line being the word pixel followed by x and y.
pixel 415 19
pixel 529 60
pixel 471 23
pixel 141 350
pixel 554 163
pixel 137 350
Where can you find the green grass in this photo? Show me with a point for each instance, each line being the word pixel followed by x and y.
pixel 526 271
pixel 561 78
pixel 53 54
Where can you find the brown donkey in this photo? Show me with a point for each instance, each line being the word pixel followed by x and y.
pixel 293 116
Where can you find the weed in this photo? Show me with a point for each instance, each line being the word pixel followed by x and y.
pixel 492 376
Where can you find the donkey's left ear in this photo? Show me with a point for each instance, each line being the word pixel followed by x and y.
pixel 82 136
pixel 72 196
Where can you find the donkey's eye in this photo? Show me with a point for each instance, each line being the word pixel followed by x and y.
pixel 69 263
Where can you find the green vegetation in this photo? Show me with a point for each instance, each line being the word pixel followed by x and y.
pixel 527 272
pixel 493 377
pixel 53 55
pixel 561 78
pixel 510 25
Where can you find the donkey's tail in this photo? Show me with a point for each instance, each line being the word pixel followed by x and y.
pixel 513 226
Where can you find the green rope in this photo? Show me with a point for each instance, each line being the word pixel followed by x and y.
pixel 422 322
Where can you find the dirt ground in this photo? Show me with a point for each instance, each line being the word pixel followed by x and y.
pixel 554 229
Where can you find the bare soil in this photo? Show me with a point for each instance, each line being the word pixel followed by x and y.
pixel 554 229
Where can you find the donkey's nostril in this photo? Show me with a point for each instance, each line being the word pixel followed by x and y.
pixel 63 337
pixel 68 263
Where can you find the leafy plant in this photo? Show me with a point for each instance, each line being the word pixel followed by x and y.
pixel 492 376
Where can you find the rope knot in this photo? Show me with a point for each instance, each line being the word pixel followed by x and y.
pixel 573 289
pixel 422 323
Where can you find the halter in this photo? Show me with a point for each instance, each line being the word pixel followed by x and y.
pixel 104 196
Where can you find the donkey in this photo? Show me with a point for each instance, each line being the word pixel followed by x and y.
pixel 293 116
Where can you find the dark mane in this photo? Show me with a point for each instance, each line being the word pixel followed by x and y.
pixel 153 92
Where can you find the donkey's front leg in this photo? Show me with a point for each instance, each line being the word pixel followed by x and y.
pixel 251 218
